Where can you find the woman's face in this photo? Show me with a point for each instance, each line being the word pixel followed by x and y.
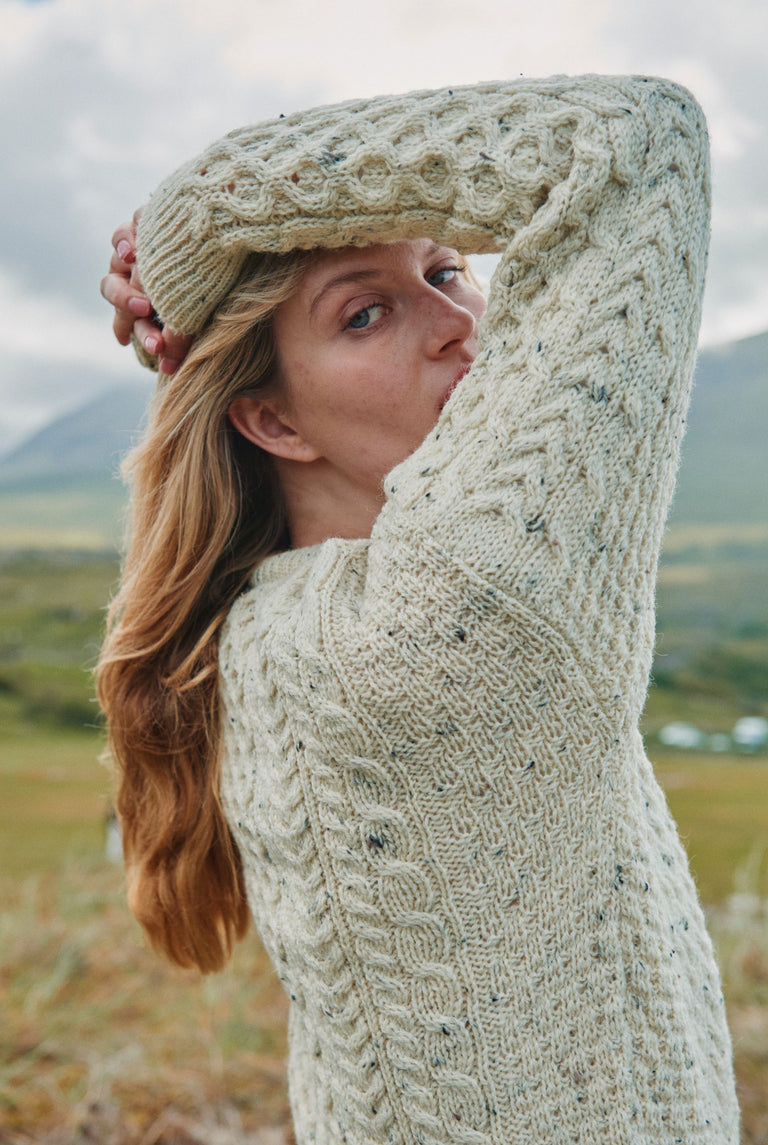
pixel 369 350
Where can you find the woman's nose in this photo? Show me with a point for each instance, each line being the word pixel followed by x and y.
pixel 448 324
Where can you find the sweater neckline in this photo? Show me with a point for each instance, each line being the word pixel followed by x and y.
pixel 281 564
pixel 278 566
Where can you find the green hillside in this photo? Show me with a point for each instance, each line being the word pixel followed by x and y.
pixel 83 446
pixel 724 470
pixel 60 487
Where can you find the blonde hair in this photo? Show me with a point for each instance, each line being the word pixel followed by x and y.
pixel 205 509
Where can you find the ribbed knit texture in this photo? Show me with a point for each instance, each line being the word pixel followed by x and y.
pixel 455 850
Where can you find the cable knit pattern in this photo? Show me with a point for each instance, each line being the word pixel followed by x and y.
pixel 455 850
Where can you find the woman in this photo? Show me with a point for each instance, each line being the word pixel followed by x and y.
pixel 421 710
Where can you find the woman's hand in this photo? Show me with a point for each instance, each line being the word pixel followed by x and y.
pixel 134 314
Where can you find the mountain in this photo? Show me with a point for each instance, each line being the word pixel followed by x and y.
pixel 59 486
pixel 82 447
pixel 724 468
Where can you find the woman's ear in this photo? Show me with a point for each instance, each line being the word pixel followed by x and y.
pixel 262 423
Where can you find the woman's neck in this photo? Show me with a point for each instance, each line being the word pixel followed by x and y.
pixel 322 502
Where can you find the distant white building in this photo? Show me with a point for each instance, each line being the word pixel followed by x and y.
pixel 113 841
pixel 681 734
pixel 750 733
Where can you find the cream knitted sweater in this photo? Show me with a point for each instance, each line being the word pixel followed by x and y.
pixel 455 850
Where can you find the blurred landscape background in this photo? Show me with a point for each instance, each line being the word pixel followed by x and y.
pixel 100 1042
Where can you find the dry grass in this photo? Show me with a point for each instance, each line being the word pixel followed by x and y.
pixel 740 932
pixel 102 1043
pixel 720 805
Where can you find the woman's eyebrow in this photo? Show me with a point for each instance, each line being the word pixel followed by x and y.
pixel 339 280
pixel 363 275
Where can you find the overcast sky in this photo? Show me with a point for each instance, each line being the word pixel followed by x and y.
pixel 99 100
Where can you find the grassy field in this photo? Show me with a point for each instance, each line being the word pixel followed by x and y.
pixel 65 519
pixel 102 1043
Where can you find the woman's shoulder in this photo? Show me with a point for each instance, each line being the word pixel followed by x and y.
pixel 287 589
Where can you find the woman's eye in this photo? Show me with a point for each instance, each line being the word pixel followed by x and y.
pixel 443 275
pixel 365 317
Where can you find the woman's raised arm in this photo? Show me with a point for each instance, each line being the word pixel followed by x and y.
pixel 549 474
pixel 460 166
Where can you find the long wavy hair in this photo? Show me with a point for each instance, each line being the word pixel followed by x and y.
pixel 205 509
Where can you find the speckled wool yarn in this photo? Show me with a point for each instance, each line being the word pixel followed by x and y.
pixel 454 846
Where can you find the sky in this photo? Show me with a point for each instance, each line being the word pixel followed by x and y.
pixel 99 100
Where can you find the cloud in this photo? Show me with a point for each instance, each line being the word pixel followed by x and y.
pixel 720 52
pixel 34 391
pixel 98 101
pixel 55 356
pixel 92 116
pixel 398 46
pixel 49 328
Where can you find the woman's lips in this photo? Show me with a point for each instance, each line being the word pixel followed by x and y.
pixel 464 370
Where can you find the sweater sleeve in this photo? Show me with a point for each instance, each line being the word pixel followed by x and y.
pixel 549 474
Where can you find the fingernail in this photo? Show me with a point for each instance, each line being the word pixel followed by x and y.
pixel 124 248
pixel 140 306
pixel 168 366
pixel 151 344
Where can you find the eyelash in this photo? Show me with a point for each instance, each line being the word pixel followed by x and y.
pixel 457 268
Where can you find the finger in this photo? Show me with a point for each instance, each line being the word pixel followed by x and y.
pixel 135 280
pixel 168 365
pixel 118 265
pixel 126 325
pixel 175 349
pixel 124 242
pixel 175 345
pixel 150 335
pixel 122 326
pixel 119 292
